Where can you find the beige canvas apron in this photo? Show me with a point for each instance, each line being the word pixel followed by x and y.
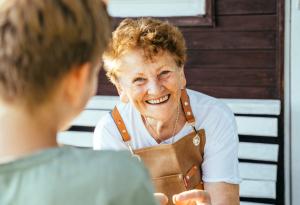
pixel 176 167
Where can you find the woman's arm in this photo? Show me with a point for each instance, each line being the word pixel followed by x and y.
pixel 222 193
pixel 216 193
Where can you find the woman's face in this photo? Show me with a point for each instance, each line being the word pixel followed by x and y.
pixel 153 87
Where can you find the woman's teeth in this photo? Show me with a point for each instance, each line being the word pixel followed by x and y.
pixel 160 100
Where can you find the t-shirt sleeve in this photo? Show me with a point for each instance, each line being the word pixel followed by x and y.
pixel 220 162
pixel 107 136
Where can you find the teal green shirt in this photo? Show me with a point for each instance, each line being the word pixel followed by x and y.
pixel 62 176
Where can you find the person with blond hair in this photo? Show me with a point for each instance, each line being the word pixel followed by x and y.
pixel 50 55
pixel 188 140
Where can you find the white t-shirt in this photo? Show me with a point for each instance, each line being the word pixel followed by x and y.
pixel 220 163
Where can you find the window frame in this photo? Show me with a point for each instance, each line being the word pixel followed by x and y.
pixel 207 20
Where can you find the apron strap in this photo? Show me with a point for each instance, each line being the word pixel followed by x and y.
pixel 185 103
pixel 120 124
pixel 202 136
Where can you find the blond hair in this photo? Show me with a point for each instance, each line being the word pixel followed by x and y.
pixel 148 34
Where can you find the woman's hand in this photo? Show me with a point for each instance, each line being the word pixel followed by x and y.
pixel 161 198
pixel 192 197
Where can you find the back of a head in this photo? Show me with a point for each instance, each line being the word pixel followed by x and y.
pixel 41 40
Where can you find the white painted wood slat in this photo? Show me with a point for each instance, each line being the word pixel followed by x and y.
pixel 258 151
pixel 75 138
pixel 258 171
pixel 253 106
pixel 89 118
pixel 260 126
pixel 258 189
pixel 102 102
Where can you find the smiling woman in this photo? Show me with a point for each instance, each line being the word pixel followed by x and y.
pixel 187 140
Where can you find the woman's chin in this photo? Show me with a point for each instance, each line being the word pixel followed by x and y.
pixel 158 112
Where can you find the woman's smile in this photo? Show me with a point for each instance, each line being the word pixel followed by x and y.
pixel 160 100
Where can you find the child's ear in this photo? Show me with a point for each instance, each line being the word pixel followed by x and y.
pixel 122 93
pixel 77 84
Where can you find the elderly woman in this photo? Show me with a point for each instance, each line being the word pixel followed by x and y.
pixel 187 139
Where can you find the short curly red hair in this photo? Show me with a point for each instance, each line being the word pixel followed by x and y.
pixel 148 34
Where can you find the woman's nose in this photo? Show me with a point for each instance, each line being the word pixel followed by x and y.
pixel 154 87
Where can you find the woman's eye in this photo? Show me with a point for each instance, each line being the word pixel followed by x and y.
pixel 165 72
pixel 138 80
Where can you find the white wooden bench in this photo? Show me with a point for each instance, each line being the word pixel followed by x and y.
pixel 257 122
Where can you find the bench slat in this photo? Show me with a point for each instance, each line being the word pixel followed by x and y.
pixel 75 138
pixel 258 151
pixel 102 102
pixel 253 106
pixel 258 189
pixel 260 126
pixel 258 171
pixel 89 118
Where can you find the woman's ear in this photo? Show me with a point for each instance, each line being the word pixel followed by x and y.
pixel 122 93
pixel 182 79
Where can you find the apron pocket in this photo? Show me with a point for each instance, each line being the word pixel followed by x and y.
pixel 170 185
pixel 193 178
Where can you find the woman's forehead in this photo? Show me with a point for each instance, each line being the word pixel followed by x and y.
pixel 136 58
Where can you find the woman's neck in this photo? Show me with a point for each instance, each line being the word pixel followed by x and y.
pixel 164 129
pixel 23 132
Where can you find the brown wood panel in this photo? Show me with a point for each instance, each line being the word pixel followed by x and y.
pixel 237 23
pixel 230 40
pixel 233 59
pixel 227 77
pixel 237 92
pixel 102 78
pixel 230 7
pixel 106 89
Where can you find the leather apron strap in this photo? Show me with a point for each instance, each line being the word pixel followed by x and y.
pixel 120 124
pixel 185 103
